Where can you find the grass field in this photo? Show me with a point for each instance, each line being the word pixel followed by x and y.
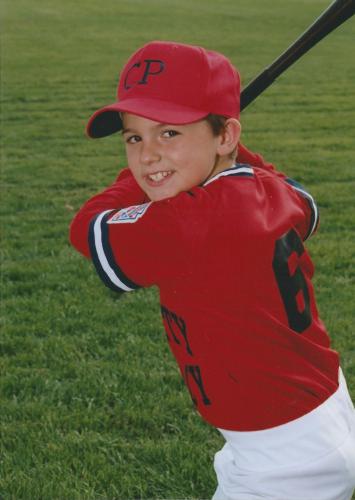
pixel 92 405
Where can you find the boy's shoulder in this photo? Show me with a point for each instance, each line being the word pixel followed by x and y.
pixel 236 185
pixel 241 196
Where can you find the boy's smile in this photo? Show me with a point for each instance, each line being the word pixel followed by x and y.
pixel 168 159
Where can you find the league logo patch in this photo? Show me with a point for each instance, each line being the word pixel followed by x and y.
pixel 129 215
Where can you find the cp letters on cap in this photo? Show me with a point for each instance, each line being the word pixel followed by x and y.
pixel 139 72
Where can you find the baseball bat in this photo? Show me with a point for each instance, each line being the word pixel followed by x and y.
pixel 335 15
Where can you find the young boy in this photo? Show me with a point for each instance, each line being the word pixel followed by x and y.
pixel 220 232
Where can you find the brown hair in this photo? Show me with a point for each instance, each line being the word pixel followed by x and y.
pixel 217 124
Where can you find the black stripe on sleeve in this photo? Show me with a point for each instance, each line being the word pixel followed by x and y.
pixel 102 256
pixel 110 257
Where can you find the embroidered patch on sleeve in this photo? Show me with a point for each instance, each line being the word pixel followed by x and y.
pixel 129 215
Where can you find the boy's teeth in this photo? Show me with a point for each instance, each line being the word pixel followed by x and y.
pixel 158 176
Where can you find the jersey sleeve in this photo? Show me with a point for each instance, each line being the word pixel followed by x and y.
pixel 306 200
pixel 310 208
pixel 139 246
pixel 124 192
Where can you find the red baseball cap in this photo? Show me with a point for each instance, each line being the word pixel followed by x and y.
pixel 171 83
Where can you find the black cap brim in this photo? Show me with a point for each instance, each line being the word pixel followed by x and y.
pixel 103 123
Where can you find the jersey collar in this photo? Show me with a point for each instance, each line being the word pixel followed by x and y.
pixel 238 169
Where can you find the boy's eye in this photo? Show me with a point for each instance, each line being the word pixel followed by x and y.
pixel 170 133
pixel 133 139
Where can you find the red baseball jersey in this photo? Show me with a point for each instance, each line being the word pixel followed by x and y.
pixel 236 295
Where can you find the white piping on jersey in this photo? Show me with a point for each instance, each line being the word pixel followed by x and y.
pixel 102 257
pixel 314 206
pixel 230 171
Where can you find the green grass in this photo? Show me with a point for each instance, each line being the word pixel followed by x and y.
pixel 92 405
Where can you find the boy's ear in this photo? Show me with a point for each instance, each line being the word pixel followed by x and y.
pixel 230 137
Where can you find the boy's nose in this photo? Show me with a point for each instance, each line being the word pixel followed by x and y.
pixel 149 153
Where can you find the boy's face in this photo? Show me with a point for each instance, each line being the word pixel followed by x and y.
pixel 168 159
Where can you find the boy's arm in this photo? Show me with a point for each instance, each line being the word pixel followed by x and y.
pixel 123 193
pixel 255 160
pixel 142 245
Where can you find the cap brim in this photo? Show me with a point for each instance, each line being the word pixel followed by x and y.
pixel 107 120
pixel 103 122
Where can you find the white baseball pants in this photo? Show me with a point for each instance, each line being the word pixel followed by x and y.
pixel 311 458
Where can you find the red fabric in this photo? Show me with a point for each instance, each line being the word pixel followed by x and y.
pixel 122 193
pixel 213 254
pixel 157 83
pixel 255 159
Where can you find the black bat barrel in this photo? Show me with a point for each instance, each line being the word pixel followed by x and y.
pixel 338 12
